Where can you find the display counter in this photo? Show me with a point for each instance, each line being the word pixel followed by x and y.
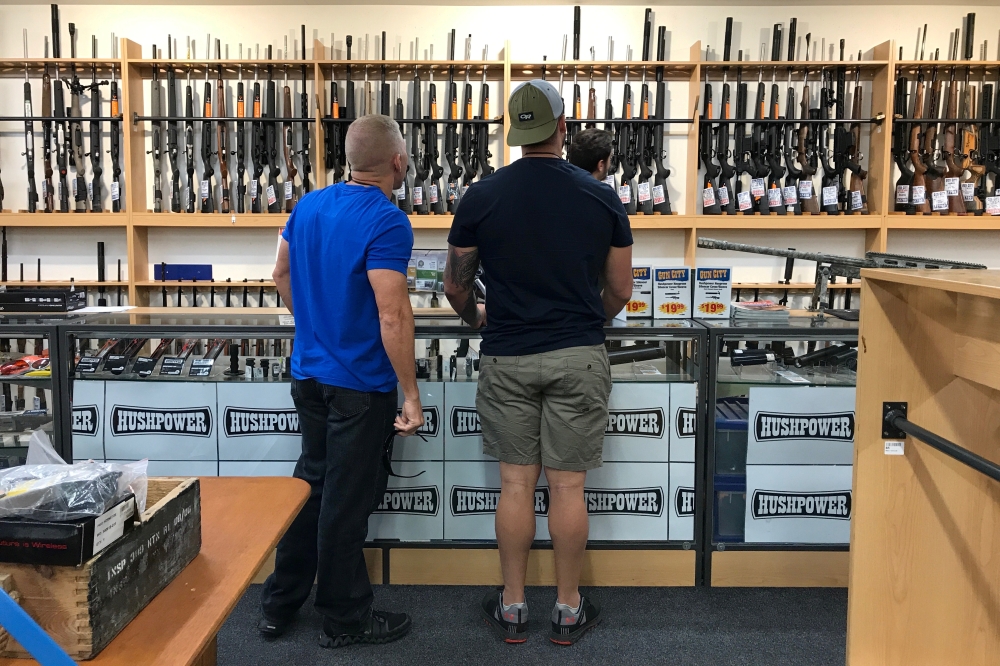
pixel 780 448
pixel 176 389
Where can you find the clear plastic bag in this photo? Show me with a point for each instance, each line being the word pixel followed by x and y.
pixel 55 491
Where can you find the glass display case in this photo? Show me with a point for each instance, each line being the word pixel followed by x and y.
pixel 780 440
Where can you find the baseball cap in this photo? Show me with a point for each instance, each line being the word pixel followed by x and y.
pixel 535 108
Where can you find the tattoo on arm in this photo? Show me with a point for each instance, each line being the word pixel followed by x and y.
pixel 462 272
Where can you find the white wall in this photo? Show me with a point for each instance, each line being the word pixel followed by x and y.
pixel 532 33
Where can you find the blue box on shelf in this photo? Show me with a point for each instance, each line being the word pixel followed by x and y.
pixel 731 418
pixel 182 271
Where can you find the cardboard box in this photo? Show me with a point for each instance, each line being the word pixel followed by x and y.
pixel 641 305
pixel 42 300
pixel 65 543
pixel 713 292
pixel 672 293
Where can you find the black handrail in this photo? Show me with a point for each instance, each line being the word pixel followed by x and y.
pixel 896 419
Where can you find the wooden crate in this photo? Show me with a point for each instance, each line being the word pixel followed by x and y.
pixel 84 607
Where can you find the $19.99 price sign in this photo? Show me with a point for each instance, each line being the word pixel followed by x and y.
pixel 712 307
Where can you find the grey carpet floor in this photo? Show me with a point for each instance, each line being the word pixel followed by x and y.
pixel 677 626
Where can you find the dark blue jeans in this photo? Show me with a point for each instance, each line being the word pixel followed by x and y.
pixel 343 437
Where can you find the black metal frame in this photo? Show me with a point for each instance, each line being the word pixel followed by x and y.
pixel 717 335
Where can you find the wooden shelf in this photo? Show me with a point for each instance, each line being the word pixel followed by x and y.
pixel 795 286
pixel 205 283
pixel 662 221
pixel 819 222
pixel 943 222
pixel 61 283
pixel 235 220
pixel 24 219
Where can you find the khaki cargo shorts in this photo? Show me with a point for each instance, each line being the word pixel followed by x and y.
pixel 549 408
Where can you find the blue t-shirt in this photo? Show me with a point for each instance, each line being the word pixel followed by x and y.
pixel 335 236
pixel 543 228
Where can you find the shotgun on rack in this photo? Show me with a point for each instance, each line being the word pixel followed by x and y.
pixel 451 141
pixel 192 185
pixel 304 134
pixel 115 125
pixel 76 128
pixel 47 192
pixel 900 151
pixel 29 135
pixel 156 107
pixel 172 136
pixel 96 152
pixel 241 141
pixel 483 153
pixel 208 175
pixel 222 133
pixel 271 140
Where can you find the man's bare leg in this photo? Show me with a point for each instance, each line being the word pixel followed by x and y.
pixel 568 527
pixel 515 525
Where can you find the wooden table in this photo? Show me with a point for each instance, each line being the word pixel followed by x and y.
pixel 242 519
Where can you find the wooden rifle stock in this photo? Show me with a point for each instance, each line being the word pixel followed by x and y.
pixel 919 167
pixel 290 169
pixel 222 136
pixel 953 170
pixel 810 205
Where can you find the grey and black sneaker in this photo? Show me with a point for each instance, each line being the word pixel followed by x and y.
pixel 511 622
pixel 379 627
pixel 569 624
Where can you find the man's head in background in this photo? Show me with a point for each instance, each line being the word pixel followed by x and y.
pixel 591 151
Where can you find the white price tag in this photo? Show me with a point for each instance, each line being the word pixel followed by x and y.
pixel 902 194
pixel 610 181
pixel 968 191
pixel 805 189
pixel 45 189
pixel 723 196
pixel 400 194
pixel 288 190
pixel 856 203
pixel 993 205
pixel 658 195
pixel 893 448
pixel 465 188
pixel 432 193
pixel 939 200
pixel 743 200
pixel 757 187
pixel 644 195
pixel 253 189
pixel 830 195
pixel 90 190
pixel 59 189
pixel 115 193
pixel 418 195
pixel 204 189
pixel 708 196
pixel 774 197
pixel 452 191
pixel 625 193
pixel 951 187
pixel 74 189
pixel 919 195
pixel 27 108
pixel 272 197
pixel 790 195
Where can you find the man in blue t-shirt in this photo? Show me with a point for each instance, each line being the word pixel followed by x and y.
pixel 546 233
pixel 341 271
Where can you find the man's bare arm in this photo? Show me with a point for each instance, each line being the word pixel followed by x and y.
pixel 459 277
pixel 617 280
pixel 395 318
pixel 282 275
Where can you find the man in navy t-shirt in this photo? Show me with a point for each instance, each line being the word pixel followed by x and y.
pixel 341 271
pixel 546 234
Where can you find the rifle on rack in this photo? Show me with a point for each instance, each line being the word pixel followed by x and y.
pixel 349 111
pixel 258 145
pixel 807 148
pixel 644 132
pixel 451 141
pixel 775 135
pixel 222 132
pixel 989 141
pixel 724 192
pixel 404 195
pixel 483 153
pixel 59 112
pixel 333 160
pixel 192 187
pixel 740 148
pixel 625 142
pixel 241 141
pixel 47 192
pixel 831 172
pixel 29 135
pixel 96 152
pixel 829 266
pixel 971 147
pixel 172 136
pixel 934 175
pixel 899 147
pixel 431 153
pixel 304 133
pixel 156 107
pixel 470 167
pixel 271 140
pixel 421 167
pixel 918 189
pixel 609 114
pixel 758 159
pixel 709 197
pixel 208 175
pixel 592 94
pixel 953 173
pixel 291 196
pixel 115 125
pixel 856 201
pixel 76 128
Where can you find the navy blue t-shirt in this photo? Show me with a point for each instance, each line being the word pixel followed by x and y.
pixel 543 228
pixel 335 236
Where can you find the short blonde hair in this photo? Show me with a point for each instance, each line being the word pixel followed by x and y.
pixel 372 142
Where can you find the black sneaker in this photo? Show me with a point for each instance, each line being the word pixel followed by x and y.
pixel 379 627
pixel 512 625
pixel 271 629
pixel 567 627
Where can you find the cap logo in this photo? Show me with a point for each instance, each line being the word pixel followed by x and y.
pixel 528 115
